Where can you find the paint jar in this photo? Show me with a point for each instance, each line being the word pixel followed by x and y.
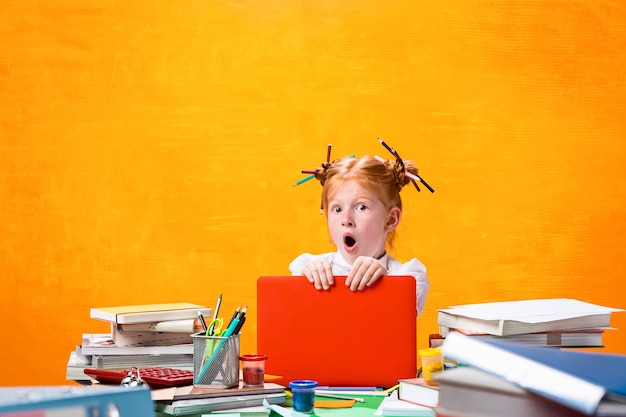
pixel 432 362
pixel 253 369
pixel 303 391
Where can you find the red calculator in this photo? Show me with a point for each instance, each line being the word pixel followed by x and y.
pixel 155 377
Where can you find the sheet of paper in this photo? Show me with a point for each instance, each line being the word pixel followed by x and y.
pixel 285 412
pixel 530 311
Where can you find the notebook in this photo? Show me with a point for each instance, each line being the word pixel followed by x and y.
pixel 337 337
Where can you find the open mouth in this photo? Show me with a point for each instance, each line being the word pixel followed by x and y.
pixel 349 241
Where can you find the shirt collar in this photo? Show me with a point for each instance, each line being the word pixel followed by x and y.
pixel 340 261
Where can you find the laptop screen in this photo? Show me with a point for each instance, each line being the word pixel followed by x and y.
pixel 338 337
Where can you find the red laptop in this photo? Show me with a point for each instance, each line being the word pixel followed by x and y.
pixel 338 337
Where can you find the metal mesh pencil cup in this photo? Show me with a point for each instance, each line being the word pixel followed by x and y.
pixel 215 361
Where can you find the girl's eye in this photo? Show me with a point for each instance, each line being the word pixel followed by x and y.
pixel 361 207
pixel 336 209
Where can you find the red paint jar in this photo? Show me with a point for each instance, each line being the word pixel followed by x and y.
pixel 253 369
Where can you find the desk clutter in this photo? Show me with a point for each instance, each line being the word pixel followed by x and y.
pixel 513 358
pixel 186 355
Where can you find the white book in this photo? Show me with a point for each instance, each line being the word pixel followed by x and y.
pixel 99 344
pixel 145 313
pixel 417 390
pixel 525 316
pixel 393 406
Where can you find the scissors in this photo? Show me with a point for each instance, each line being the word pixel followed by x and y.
pixel 215 327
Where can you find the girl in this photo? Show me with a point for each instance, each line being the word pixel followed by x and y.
pixel 361 201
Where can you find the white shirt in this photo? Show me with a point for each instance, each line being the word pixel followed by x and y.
pixel 394 267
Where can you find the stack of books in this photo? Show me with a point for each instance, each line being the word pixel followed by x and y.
pixel 560 322
pixel 515 380
pixel 141 336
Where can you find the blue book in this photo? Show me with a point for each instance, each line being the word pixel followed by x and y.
pixel 76 401
pixel 593 383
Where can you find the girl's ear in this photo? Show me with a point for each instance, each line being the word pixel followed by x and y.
pixel 393 219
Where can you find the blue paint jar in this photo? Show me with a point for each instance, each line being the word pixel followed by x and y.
pixel 303 391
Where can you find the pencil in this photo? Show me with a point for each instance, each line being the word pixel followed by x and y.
pixel 328 152
pixel 303 180
pixel 413 177
pixel 390 149
pixel 338 397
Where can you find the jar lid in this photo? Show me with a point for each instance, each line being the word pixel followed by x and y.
pixel 253 357
pixel 430 352
pixel 302 384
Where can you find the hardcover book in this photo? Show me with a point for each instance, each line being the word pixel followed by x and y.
pixel 144 313
pixel 417 391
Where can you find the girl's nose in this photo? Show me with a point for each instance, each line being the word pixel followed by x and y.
pixel 347 221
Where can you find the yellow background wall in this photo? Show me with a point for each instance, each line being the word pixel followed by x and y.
pixel 148 151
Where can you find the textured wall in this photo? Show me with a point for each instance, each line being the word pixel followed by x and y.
pixel 148 151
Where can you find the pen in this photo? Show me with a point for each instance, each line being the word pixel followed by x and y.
pixel 235 315
pixel 231 327
pixel 202 322
pixel 240 325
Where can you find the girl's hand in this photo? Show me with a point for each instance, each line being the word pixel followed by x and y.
pixel 320 273
pixel 365 271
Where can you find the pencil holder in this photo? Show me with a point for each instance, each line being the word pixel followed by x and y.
pixel 215 361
